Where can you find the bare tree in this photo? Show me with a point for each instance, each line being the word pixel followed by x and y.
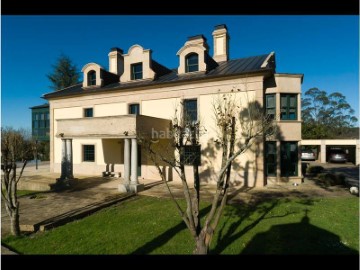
pixel 14 147
pixel 238 128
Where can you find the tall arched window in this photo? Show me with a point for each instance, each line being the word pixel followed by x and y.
pixel 192 62
pixel 92 78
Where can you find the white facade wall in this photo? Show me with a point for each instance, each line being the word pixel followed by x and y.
pixel 158 102
pixel 161 102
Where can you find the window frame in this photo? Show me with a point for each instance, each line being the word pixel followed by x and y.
pixel 267 107
pixel 84 155
pixel 134 104
pixel 285 166
pixel 135 73
pixel 47 119
pixel 188 66
pixel 88 110
pixel 185 110
pixel 267 163
pixel 187 151
pixel 91 78
pixel 286 107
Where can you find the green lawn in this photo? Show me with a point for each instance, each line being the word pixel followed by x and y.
pixel 145 225
pixel 21 193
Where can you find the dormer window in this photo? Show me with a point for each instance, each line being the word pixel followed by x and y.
pixel 91 78
pixel 136 71
pixel 192 62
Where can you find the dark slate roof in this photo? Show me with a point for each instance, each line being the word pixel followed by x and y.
pixel 226 68
pixel 40 106
pixel 159 69
pixel 210 62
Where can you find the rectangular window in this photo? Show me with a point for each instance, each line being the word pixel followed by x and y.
pixel 47 120
pixel 190 155
pixel 270 158
pixel 288 107
pixel 192 62
pixel 190 110
pixel 89 153
pixel 42 123
pixel 88 112
pixel 271 105
pixel 289 159
pixel 136 71
pixel 134 109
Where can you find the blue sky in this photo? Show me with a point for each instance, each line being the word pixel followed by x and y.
pixel 324 48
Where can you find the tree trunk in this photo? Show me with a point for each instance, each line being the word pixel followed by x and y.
pixel 14 221
pixel 201 247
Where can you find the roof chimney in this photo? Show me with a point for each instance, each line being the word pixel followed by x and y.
pixel 198 39
pixel 116 61
pixel 221 43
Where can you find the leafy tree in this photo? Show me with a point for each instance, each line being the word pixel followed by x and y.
pixel 238 129
pixel 15 146
pixel 64 74
pixel 325 115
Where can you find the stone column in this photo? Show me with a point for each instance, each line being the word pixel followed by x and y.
pixel 134 161
pixel 127 161
pixel 63 160
pixel 323 152
pixel 134 184
pixel 69 159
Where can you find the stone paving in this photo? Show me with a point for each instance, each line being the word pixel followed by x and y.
pixel 6 251
pixel 308 189
pixel 43 208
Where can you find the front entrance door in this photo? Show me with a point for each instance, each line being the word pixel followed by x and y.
pixel 289 159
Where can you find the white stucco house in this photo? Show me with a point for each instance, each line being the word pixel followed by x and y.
pixel 94 125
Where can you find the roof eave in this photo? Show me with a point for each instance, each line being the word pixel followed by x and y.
pixel 264 71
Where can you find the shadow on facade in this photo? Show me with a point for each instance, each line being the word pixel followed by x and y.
pixel 113 151
pixel 87 183
pixel 248 173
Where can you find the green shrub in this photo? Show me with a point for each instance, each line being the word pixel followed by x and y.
pixel 314 169
pixel 331 179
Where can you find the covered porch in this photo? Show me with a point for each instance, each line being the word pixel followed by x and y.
pixel 115 148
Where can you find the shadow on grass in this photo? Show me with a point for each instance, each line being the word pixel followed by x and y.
pixel 239 214
pixel 166 236
pixel 297 238
pixel 293 238
pixel 31 193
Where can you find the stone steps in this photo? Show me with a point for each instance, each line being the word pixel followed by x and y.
pixel 111 174
pixel 38 185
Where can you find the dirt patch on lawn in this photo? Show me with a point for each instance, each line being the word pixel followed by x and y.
pixel 307 190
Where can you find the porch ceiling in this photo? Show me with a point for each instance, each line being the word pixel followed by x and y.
pixel 123 126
